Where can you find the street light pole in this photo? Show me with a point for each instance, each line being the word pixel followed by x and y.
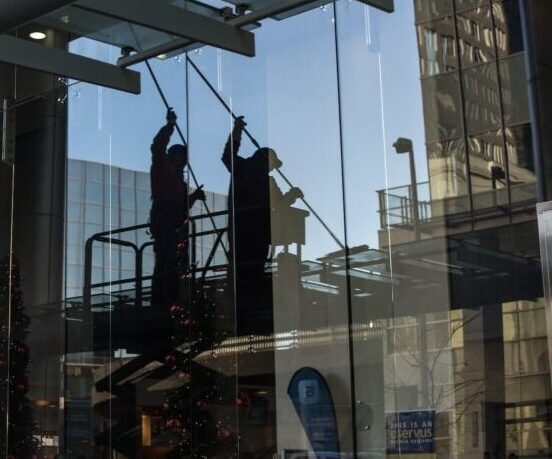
pixel 401 146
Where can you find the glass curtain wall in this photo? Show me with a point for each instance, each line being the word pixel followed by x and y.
pixel 320 269
pixel 326 250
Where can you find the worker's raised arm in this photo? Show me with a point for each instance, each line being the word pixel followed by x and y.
pixel 163 137
pixel 233 144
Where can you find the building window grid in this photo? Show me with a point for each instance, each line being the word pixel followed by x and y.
pixel 461 69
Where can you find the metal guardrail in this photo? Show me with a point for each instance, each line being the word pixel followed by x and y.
pixel 396 206
pixel 139 278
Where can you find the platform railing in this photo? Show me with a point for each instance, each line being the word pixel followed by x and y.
pixel 107 237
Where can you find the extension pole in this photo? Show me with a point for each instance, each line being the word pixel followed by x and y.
pixel 194 178
pixel 257 145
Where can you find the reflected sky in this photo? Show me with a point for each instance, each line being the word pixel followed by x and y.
pixel 289 95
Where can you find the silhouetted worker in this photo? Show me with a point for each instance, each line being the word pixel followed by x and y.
pixel 253 195
pixel 169 210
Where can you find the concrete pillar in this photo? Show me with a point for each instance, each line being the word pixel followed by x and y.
pixel 38 224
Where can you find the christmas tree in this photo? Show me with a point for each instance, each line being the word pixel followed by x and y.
pixel 199 412
pixel 14 359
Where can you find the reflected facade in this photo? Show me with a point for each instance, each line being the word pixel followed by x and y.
pixel 354 252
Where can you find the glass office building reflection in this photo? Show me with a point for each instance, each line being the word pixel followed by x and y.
pixel 363 278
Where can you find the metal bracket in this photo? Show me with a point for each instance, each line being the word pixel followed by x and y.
pixel 175 21
pixel 24 53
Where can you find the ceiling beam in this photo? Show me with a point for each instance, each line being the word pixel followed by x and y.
pixel 24 53
pixel 253 17
pixel 175 21
pixel 14 13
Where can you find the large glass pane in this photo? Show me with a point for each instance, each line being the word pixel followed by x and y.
pixel 437 46
pixel 509 39
pixel 442 107
pixel 521 163
pixel 488 170
pixel 302 290
pixel 515 97
pixel 350 270
pixel 481 98
pixel 428 9
pixel 475 36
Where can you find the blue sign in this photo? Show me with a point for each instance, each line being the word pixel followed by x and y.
pixel 313 403
pixel 410 432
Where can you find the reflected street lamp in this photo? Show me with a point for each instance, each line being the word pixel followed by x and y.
pixel 401 146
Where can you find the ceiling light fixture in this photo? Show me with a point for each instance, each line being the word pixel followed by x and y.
pixel 37 35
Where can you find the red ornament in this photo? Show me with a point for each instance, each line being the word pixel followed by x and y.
pixel 170 359
pixel 184 376
pixel 175 309
pixel 174 424
pixel 244 401
pixel 181 246
pixel 189 322
pixel 224 433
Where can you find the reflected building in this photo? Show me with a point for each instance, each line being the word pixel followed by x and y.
pixel 483 366
pixel 476 108
pixel 424 334
pixel 101 198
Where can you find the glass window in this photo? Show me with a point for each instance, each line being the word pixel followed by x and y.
pixel 74 169
pixel 128 198
pixel 379 279
pixel 488 170
pixel 94 193
pixel 448 177
pixel 442 107
pixel 128 218
pixel 74 254
pixel 127 178
pixel 73 276
pixel 437 46
pixel 143 181
pixel 481 98
pixel 94 172
pixel 112 194
pixel 75 189
pixel 93 214
pixel 475 36
pixel 521 163
pixel 468 4
pixel 513 81
pixel 74 232
pixel 92 228
pixel 509 37
pixel 428 9
pixel 75 211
